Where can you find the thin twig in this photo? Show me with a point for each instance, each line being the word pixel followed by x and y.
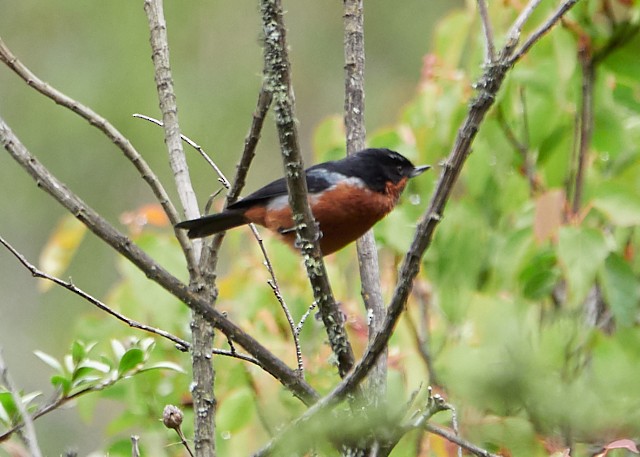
pixel 212 246
pixel 521 147
pixel 586 122
pixel 513 36
pixel 155 272
pixel 109 130
pixel 454 438
pixel 489 46
pixel 273 283
pixel 30 437
pixel 278 82
pixel 194 145
pixel 304 317
pixel 422 345
pixel 275 287
pixel 542 30
pixel 61 399
pixel 181 344
pixel 435 404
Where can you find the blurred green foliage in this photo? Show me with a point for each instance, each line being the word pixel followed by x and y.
pixel 528 309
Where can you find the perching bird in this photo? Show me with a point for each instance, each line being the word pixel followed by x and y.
pixel 347 198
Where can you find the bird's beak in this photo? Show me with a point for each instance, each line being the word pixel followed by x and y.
pixel 419 170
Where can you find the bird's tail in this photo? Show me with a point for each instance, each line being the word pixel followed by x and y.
pixel 213 223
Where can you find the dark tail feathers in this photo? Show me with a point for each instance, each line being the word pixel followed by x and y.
pixel 214 223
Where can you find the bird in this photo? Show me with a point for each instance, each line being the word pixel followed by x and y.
pixel 347 197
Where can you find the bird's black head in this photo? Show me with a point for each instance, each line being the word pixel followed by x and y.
pixel 377 167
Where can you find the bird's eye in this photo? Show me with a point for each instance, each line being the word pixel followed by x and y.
pixel 400 169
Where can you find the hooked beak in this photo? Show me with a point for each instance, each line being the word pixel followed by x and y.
pixel 419 170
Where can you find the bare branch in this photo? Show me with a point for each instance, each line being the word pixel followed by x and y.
pixel 30 437
pixel 109 130
pixel 181 344
pixel 278 82
pixel 354 58
pixel 194 145
pixel 273 283
pixel 489 46
pixel 452 437
pixel 513 36
pixel 128 249
pixel 542 30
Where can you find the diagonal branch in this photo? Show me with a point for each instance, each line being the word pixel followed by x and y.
pixel 128 249
pixel 181 344
pixel 108 129
pixel 278 83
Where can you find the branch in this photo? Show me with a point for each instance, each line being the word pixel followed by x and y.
pixel 278 83
pixel 109 130
pixel 128 249
pixel 202 334
pixel 30 437
pixel 354 57
pixel 62 399
pixel 181 344
pixel 452 437
pixel 564 7
pixel 273 283
pixel 488 86
pixel 211 247
pixel 194 145
pixel 489 46
pixel 585 57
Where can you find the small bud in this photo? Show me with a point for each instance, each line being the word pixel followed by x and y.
pixel 172 417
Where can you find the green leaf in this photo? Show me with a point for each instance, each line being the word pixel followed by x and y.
pixel 328 139
pixel 620 205
pixel 236 411
pixel 95 365
pixel 118 349
pixel 6 400
pixel 61 382
pixel 49 360
pixel 28 398
pixel 130 360
pixel 4 416
pixel 581 252
pixel 621 289
pixel 540 275
pixel 166 365
pixel 78 352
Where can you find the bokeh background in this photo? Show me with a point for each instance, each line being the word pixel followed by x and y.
pixel 98 53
